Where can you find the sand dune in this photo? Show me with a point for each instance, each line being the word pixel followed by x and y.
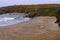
pixel 39 28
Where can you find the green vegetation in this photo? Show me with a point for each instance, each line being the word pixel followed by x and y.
pixel 41 8
pixel 58 17
pixel 36 10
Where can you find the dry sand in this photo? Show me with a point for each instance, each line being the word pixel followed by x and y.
pixel 39 28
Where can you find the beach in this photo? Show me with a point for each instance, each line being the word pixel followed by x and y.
pixel 39 28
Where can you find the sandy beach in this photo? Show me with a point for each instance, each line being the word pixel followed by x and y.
pixel 39 28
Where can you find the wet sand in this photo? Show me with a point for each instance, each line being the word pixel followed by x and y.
pixel 39 28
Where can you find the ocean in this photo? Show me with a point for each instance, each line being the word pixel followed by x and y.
pixel 12 18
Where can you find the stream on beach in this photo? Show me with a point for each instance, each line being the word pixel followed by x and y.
pixel 12 18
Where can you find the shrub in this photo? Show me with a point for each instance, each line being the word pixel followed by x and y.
pixel 31 15
pixel 58 17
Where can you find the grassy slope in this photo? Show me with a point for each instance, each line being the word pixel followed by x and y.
pixel 30 8
pixel 42 9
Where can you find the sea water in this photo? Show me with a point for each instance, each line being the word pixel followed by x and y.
pixel 11 19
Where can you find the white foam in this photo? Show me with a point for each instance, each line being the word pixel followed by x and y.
pixel 6 20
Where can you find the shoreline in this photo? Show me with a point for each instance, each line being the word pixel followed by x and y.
pixel 40 28
pixel 12 19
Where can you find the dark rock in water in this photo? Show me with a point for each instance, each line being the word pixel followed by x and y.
pixel 31 15
pixel 1 13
